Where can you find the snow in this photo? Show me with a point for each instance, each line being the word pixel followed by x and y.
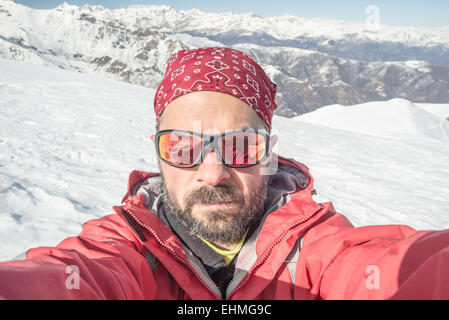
pixel 166 18
pixel 438 109
pixel 68 142
pixel 421 66
pixel 194 42
pixel 129 45
pixel 396 118
pixel 72 37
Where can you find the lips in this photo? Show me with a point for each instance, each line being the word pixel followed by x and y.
pixel 218 204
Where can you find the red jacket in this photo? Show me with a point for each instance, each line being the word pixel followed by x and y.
pixel 301 250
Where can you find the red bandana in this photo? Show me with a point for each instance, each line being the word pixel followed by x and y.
pixel 220 70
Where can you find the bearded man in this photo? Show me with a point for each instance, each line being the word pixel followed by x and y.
pixel 227 218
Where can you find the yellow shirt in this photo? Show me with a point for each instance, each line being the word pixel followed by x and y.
pixel 227 255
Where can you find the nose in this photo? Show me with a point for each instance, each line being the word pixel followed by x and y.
pixel 211 171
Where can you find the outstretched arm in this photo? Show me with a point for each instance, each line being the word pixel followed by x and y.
pixel 106 261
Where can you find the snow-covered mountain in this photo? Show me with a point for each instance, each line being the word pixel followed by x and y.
pixel 68 141
pixel 315 62
pixel 344 39
pixel 71 38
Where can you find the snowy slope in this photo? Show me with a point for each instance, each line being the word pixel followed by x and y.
pixel 68 142
pixel 438 109
pixel 396 118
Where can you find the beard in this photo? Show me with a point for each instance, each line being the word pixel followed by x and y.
pixel 217 225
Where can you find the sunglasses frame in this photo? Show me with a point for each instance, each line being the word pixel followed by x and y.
pixel 211 142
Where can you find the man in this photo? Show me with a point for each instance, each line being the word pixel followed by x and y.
pixel 226 218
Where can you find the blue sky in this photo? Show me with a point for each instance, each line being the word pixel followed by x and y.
pixel 391 12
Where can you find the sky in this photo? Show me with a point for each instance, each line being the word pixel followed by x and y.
pixel 431 13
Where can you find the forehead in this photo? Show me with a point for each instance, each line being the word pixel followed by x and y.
pixel 209 112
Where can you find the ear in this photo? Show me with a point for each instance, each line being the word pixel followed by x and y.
pixel 152 137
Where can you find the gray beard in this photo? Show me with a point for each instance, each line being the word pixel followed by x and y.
pixel 219 226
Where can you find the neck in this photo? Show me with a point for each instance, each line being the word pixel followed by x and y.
pixel 225 245
pixel 228 246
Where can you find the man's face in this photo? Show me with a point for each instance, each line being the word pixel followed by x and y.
pixel 211 200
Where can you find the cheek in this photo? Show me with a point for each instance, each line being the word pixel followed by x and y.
pixel 250 180
pixel 176 180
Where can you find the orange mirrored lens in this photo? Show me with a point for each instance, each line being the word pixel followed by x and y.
pixel 179 148
pixel 243 148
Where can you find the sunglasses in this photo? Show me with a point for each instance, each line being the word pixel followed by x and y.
pixel 236 149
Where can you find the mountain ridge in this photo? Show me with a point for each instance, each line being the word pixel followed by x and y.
pixel 312 66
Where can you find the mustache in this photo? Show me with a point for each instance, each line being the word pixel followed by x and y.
pixel 217 194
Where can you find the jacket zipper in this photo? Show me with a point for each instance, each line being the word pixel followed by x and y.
pixel 175 254
pixel 268 252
